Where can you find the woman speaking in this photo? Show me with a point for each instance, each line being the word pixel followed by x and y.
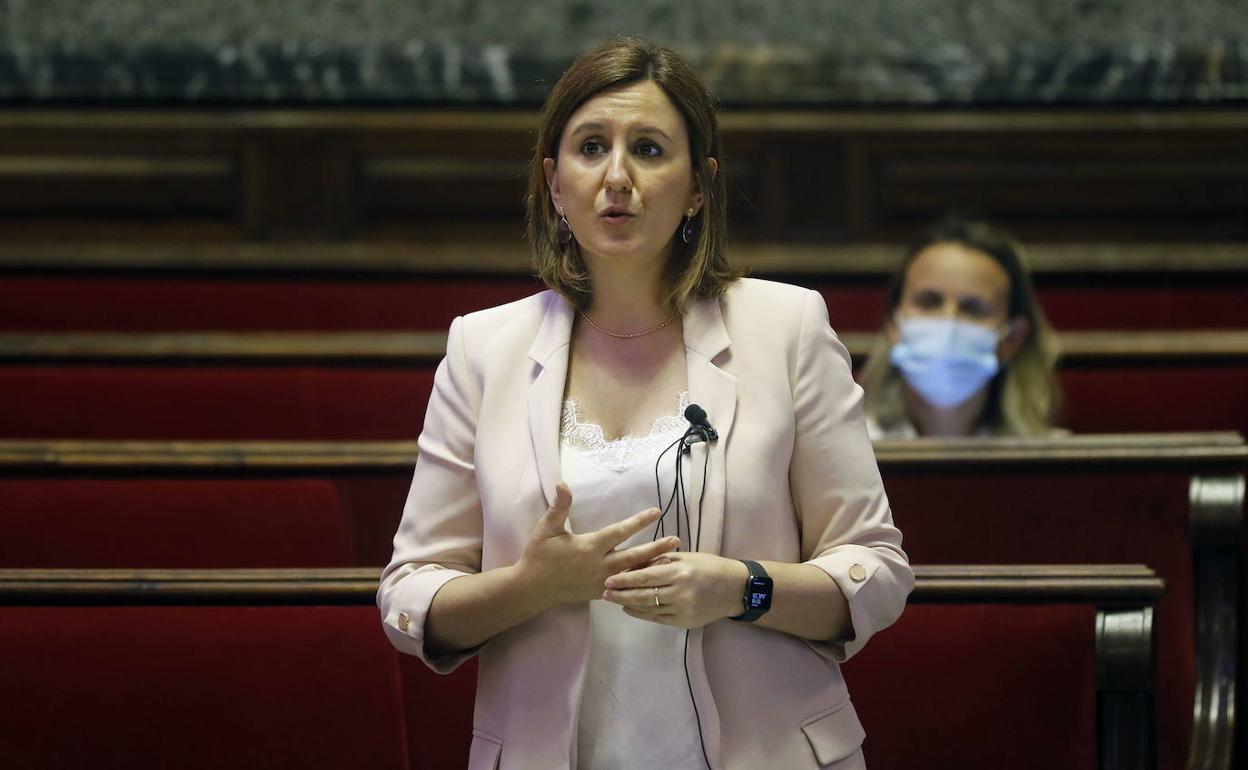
pixel 646 497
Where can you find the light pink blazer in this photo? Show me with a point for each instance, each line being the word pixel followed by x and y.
pixel 792 478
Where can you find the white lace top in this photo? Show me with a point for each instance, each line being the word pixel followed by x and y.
pixel 620 454
pixel 636 712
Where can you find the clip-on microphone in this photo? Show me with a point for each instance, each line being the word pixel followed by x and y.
pixel 699 428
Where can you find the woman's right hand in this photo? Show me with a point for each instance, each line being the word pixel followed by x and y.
pixel 563 567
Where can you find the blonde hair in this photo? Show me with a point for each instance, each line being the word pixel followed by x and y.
pixel 698 269
pixel 1024 397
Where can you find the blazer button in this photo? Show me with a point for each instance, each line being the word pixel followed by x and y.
pixel 857 573
pixel 404 622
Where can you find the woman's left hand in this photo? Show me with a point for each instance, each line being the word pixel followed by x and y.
pixel 693 589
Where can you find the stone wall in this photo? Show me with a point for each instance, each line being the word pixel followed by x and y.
pixel 491 52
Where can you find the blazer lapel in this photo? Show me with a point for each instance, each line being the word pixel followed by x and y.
pixel 712 388
pixel 715 390
pixel 549 353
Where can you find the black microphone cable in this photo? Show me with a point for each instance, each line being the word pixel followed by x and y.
pixel 659 526
pixel 700 429
pixel 697 543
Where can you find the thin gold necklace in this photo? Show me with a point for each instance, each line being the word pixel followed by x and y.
pixel 632 336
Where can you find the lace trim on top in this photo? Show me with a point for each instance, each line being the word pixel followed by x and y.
pixel 620 454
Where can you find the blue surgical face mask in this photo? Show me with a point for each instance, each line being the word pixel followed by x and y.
pixel 945 360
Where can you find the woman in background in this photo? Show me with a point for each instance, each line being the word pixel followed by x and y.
pixel 965 349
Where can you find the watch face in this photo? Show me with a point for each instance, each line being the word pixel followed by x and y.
pixel 758 593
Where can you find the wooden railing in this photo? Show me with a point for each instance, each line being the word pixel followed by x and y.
pixel 1220 449
pixel 444 250
pixel 1107 586
pixel 427 347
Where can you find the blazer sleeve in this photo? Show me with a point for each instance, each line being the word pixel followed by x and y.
pixel 846 524
pixel 440 536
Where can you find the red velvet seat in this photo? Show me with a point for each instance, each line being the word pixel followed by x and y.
pixel 1157 397
pixel 213 402
pixel 193 303
pixel 948 687
pixel 1002 515
pixel 172 523
pixel 438 713
pixel 857 304
pixel 979 686
pixel 374 504
pixel 142 688
pixel 64 302
pixel 319 686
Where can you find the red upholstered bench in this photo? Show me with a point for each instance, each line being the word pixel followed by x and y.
pixel 1082 500
pixel 224 402
pixel 175 523
pixel 217 668
pixel 213 402
pixel 190 302
pixel 259 668
pixel 82 504
pixel 194 302
pixel 1191 396
pixel 1181 302
pixel 438 713
pixel 141 688
pixel 983 686
pixel 375 386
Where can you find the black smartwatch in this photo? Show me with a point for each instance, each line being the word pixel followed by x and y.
pixel 757 597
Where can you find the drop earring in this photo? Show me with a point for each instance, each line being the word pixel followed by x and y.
pixel 563 230
pixel 689 231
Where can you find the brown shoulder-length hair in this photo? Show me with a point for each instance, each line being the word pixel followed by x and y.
pixel 1024 397
pixel 697 269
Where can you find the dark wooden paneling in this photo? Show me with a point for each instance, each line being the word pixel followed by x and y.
pixel 793 177
pixel 1158 185
pixel 301 184
pixel 68 185
pixel 473 172
pixel 89 176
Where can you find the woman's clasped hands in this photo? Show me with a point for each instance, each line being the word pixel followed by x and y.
pixel 693 589
pixel 682 589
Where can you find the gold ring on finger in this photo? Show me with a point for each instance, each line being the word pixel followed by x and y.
pixel 657 603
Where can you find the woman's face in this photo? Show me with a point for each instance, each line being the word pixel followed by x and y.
pixel 949 280
pixel 623 176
